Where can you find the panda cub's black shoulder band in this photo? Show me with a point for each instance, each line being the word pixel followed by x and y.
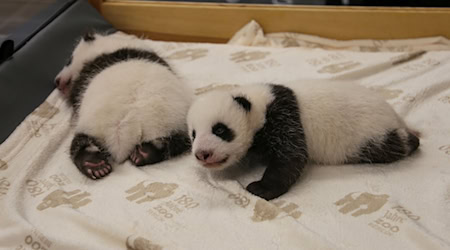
pixel 243 102
pixel 100 63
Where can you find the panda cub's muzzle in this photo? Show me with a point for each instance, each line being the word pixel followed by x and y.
pixel 208 159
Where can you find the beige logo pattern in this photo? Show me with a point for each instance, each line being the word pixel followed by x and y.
pixel 260 65
pixel 339 67
pixel 419 65
pixel 169 209
pixel 392 220
pixel 239 199
pixel 265 211
pixel 141 243
pixel 326 59
pixel 445 149
pixel 37 128
pixel 45 110
pixel 388 94
pixel 3 165
pixel 289 41
pixel 214 86
pixel 38 187
pixel 247 56
pixel 35 240
pixel 409 98
pixel 191 54
pixel 60 197
pixel 445 99
pixel 364 203
pixel 153 191
pixel 4 186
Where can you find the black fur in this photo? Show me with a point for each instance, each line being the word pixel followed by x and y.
pixel 223 132
pixel 111 31
pixel 281 143
pixel 392 148
pixel 193 134
pixel 90 69
pixel 413 143
pixel 172 146
pixel 69 61
pixel 89 36
pixel 246 104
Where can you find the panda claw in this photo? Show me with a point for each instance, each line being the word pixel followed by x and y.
pixel 96 170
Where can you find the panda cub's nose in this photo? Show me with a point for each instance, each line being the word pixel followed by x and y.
pixel 203 155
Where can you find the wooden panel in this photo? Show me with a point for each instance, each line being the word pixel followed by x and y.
pixel 96 3
pixel 218 22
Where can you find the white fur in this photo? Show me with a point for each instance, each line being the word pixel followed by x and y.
pixel 219 106
pixel 338 119
pixel 129 102
pixel 133 102
pixel 87 51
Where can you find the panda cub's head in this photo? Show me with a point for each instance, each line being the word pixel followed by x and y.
pixel 220 128
pixel 89 46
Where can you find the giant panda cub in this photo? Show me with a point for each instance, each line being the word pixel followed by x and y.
pixel 127 101
pixel 287 126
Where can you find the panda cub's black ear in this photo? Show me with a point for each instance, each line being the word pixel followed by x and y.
pixel 111 31
pixel 89 36
pixel 243 102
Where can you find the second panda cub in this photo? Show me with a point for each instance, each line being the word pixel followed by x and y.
pixel 288 126
pixel 128 104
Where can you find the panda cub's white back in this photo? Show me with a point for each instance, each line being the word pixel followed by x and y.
pixel 292 124
pixel 128 101
pixel 129 105
pixel 340 117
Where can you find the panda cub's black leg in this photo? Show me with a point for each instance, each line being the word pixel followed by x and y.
pixel 90 157
pixel 277 180
pixel 161 149
pixel 393 146
pixel 282 144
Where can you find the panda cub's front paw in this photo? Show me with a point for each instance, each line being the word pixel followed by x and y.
pixel 267 192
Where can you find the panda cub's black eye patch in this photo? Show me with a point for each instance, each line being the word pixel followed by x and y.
pixel 223 132
pixel 193 134
pixel 69 61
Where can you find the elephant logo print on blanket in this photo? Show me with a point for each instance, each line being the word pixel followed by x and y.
pixel 445 99
pixel 153 191
pixel 3 165
pixel 264 210
pixel 45 110
pixel 192 54
pixel 445 149
pixel 60 197
pixel 364 203
pixel 141 243
pixel 247 56
pixel 388 94
pixel 338 67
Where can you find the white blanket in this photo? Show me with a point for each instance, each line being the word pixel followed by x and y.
pixel 46 203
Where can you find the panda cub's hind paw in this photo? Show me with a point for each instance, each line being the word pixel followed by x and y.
pixel 93 165
pixel 144 154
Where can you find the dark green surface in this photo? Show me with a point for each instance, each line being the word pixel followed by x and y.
pixel 27 79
